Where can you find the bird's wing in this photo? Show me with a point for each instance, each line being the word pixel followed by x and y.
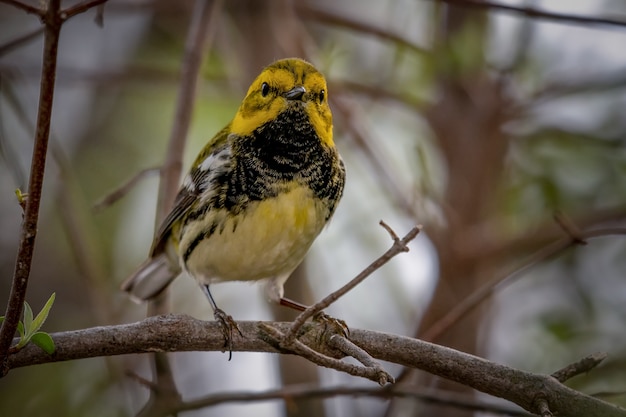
pixel 196 183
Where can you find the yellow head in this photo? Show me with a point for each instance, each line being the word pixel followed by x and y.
pixel 285 83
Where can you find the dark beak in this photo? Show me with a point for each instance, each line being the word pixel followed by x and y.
pixel 295 93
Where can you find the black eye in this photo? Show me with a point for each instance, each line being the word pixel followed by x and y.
pixel 322 96
pixel 265 89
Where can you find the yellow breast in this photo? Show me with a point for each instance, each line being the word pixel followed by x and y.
pixel 267 239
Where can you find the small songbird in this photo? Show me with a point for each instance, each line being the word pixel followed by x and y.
pixel 257 195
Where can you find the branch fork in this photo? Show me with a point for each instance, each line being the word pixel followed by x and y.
pixel 333 341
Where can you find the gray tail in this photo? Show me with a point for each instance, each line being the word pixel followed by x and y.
pixel 152 277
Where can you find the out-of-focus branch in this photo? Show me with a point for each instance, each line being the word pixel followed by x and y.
pixel 456 314
pixel 162 333
pixel 538 14
pixel 26 247
pixel 124 189
pixel 357 128
pixel 329 18
pixel 81 7
pixel 64 15
pixel 25 7
pixel 377 93
pixel 295 392
pixel 17 42
pixel 568 86
pixel 203 23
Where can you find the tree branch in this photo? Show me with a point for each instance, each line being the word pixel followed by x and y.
pixel 399 246
pixel 195 45
pixel 81 7
pixel 203 21
pixel 122 190
pixel 537 14
pixel 162 334
pixel 581 366
pixel 38 163
pixel 329 18
pixel 25 7
pixel 17 42
pixel 295 392
pixel 320 344
pixel 474 299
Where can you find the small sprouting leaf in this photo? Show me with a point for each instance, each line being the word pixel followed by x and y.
pixel 21 198
pixel 28 318
pixel 44 341
pixel 29 329
pixel 43 314
pixel 20 329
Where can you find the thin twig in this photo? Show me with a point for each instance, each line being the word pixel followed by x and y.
pixel 538 14
pixel 26 7
pixel 564 87
pixel 38 163
pixel 346 346
pixel 569 227
pixel 142 381
pixel 81 7
pixel 377 93
pixel 65 15
pixel 306 352
pixel 581 366
pixel 482 293
pixel 399 246
pixel 17 42
pixel 294 392
pixel 124 189
pixel 389 180
pixel 353 25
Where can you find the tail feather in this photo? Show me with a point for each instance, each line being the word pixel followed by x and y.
pixel 151 278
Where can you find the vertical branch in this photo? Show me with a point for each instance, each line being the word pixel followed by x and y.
pixel 194 48
pixel 53 22
pixel 195 45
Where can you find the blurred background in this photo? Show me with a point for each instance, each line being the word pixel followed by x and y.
pixel 479 124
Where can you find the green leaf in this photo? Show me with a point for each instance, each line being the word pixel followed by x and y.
pixel 28 318
pixel 21 197
pixel 20 329
pixel 43 314
pixel 44 341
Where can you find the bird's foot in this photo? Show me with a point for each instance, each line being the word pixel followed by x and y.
pixel 339 326
pixel 228 326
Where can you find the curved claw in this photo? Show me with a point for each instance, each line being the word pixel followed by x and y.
pixel 228 324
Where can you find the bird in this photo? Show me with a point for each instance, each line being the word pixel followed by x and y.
pixel 257 195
